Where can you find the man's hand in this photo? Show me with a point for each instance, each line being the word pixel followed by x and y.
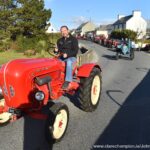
pixel 56 49
pixel 65 55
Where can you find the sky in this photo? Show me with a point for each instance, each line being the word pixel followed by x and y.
pixel 73 13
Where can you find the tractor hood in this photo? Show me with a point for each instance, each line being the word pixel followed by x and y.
pixel 17 76
pixel 21 65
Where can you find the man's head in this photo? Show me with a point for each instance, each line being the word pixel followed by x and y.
pixel 64 31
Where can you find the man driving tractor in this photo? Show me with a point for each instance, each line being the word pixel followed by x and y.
pixel 67 46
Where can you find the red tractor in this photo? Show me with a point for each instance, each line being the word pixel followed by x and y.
pixel 28 85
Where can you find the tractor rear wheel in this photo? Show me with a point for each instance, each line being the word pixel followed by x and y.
pixel 57 122
pixel 90 91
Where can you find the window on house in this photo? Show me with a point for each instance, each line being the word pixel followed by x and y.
pixel 124 26
pixel 120 26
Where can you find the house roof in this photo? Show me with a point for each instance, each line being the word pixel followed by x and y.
pixel 123 20
pixel 80 27
pixel 105 27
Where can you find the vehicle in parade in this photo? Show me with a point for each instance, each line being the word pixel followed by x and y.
pixel 28 85
pixel 125 49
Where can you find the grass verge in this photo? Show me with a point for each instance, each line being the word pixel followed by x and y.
pixel 10 55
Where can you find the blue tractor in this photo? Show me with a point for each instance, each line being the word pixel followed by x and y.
pixel 125 48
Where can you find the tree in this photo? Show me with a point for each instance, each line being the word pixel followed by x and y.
pixel 31 17
pixel 23 17
pixel 6 19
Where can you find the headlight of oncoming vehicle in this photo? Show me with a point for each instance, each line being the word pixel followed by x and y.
pixel 39 95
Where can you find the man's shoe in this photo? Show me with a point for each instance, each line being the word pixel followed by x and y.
pixel 65 85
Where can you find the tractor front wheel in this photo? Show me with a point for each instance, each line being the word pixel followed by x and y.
pixel 5 116
pixel 57 122
pixel 90 90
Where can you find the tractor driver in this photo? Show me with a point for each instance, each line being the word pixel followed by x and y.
pixel 67 45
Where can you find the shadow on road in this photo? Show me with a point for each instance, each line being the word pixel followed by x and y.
pixel 131 124
pixel 113 57
pixel 34 135
pixel 109 95
pixel 110 57
pixel 74 99
pixel 143 69
pixel 111 49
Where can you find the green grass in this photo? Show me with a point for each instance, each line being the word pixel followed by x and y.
pixel 147 41
pixel 144 41
pixel 10 55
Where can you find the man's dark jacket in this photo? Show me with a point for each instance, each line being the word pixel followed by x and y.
pixel 68 45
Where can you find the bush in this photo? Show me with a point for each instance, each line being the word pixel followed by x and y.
pixel 53 37
pixel 147 41
pixel 25 43
pixel 5 44
pixel 38 43
pixel 119 34
pixel 5 41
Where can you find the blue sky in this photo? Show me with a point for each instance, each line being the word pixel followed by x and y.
pixel 73 13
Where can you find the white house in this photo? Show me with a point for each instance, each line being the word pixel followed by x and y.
pixel 133 22
pixel 51 29
pixel 85 27
pixel 148 29
pixel 104 30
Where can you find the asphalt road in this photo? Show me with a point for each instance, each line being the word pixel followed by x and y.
pixel 122 117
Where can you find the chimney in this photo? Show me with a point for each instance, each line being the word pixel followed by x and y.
pixel 120 16
pixel 136 13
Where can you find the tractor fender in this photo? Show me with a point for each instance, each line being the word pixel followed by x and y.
pixel 85 70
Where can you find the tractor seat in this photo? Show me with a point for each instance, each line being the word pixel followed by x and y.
pixel 82 49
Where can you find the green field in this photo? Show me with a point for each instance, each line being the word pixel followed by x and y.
pixel 10 55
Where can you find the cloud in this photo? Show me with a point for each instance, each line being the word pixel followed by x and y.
pixel 75 21
pixel 105 21
pixel 79 20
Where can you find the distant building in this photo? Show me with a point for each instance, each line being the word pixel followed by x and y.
pixel 148 29
pixel 133 22
pixel 73 31
pixel 104 30
pixel 51 29
pixel 84 28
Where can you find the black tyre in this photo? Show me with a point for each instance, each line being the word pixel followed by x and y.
pixel 132 54
pixel 90 91
pixel 117 55
pixel 57 122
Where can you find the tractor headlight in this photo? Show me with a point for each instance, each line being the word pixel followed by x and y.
pixel 39 96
